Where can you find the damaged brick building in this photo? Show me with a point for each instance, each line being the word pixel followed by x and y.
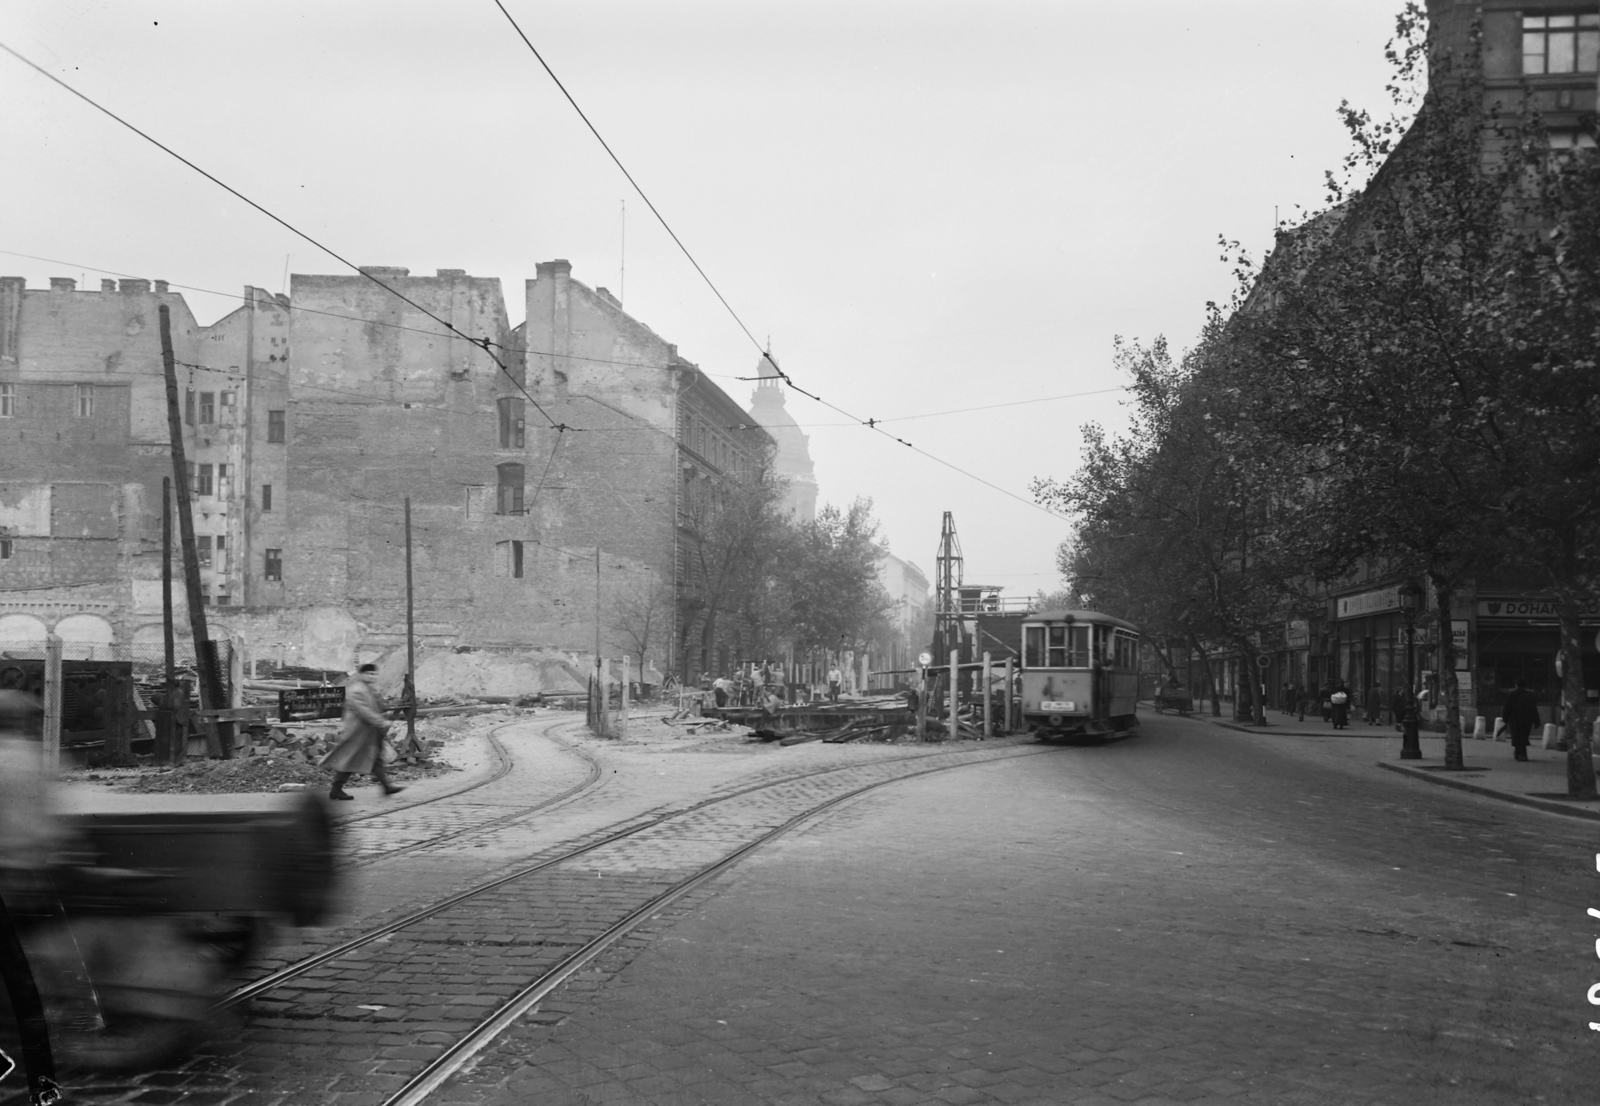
pixel 546 465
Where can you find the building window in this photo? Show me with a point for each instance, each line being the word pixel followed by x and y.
pixel 222 599
pixel 511 423
pixel 8 401
pixel 508 489
pixel 188 407
pixel 202 545
pixel 5 549
pixel 275 426
pixel 266 497
pixel 274 565
pixel 220 563
pixel 203 483
pixel 516 560
pixel 86 401
pixel 190 466
pixel 1560 43
pixel 208 408
pixel 205 595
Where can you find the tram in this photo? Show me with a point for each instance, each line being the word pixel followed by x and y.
pixel 1080 674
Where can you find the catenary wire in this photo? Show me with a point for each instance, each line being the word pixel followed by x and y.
pixel 485 343
pixel 482 343
pixel 869 423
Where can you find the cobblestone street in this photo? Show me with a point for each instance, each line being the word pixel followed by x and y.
pixel 1192 915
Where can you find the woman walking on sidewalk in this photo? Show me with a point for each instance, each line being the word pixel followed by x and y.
pixel 360 748
pixel 1341 707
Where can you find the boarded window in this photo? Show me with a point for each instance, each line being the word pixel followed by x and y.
pixel 275 426
pixel 508 489
pixel 512 425
pixel 273 568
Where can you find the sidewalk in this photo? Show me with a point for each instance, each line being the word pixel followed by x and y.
pixel 1539 782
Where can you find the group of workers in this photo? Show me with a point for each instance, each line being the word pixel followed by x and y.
pixel 763 686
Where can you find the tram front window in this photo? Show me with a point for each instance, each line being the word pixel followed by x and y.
pixel 1056 647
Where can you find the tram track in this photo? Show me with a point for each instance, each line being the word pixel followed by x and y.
pixel 471 965
pixel 505 763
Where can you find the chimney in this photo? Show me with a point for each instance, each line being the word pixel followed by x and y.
pixel 63 284
pixel 161 287
pixel 108 285
pixel 559 267
pixel 132 287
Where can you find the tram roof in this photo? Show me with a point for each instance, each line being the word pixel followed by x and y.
pixel 1064 615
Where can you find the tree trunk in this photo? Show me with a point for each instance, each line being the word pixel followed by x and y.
pixel 1445 591
pixel 1574 726
pixel 1211 683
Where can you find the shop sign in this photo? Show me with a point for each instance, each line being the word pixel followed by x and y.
pixel 1298 635
pixel 1534 610
pixel 1369 602
pixel 1464 681
pixel 1458 635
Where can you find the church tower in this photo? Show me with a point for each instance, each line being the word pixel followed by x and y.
pixel 793 460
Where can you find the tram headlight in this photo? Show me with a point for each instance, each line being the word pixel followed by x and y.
pixel 1055 720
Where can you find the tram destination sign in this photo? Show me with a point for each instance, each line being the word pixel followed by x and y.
pixel 306 704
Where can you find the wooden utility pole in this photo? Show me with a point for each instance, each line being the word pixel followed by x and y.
pixel 955 692
pixel 1010 710
pixel 410 750
pixel 219 735
pixel 988 713
pixel 166 586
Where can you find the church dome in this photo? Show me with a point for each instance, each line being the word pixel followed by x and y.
pixel 793 459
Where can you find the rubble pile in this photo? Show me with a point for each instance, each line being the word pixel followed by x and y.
pixel 277 758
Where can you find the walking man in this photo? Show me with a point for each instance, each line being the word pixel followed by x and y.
pixel 360 748
pixel 835 678
pixel 1521 714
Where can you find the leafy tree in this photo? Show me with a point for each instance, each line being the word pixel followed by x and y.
pixel 1424 354
pixel 735 531
pixel 829 580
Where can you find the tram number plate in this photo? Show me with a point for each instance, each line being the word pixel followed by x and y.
pixel 1068 705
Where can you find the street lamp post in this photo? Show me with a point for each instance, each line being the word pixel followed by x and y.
pixel 1410 596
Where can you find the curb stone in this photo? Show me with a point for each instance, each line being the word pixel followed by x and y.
pixel 1550 806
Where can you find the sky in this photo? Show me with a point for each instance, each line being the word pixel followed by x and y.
pixel 924 206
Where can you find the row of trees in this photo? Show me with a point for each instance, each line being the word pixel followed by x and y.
pixel 1409 384
pixel 760 583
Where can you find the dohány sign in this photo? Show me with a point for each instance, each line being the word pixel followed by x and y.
pixel 1538 610
pixel 307 703
pixel 1370 602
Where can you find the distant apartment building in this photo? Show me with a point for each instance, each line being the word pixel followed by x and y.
pixel 911 613
pixel 547 467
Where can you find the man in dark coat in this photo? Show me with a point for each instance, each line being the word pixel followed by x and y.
pixel 1521 714
pixel 360 748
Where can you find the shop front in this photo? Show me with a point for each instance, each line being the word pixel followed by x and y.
pixel 1367 651
pixel 1518 638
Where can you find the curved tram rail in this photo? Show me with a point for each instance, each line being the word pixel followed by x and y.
pixel 554 917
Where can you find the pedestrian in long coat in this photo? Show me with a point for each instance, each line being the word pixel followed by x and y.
pixel 1521 714
pixel 360 748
